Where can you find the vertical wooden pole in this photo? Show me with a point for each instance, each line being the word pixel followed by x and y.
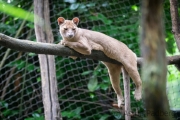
pixel 43 33
pixel 126 81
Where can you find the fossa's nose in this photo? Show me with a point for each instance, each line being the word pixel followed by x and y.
pixel 70 35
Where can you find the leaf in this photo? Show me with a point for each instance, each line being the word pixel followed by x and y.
pixel 82 8
pixel 107 22
pixel 62 11
pixel 134 7
pixel 92 84
pixel 6 112
pixel 91 5
pixel 86 72
pixel 38 79
pixel 36 115
pixel 30 67
pixel 3 104
pixel 35 118
pixel 30 25
pixel 18 63
pixel 60 73
pixel 106 79
pixel 74 6
pixel 101 17
pixel 92 95
pixel 77 110
pixel 104 117
pixel 72 114
pixel 116 114
pixel 10 29
pixel 70 1
pixel 16 11
pixel 173 75
pixel 31 54
pixel 104 86
pixel 171 45
pixel 39 110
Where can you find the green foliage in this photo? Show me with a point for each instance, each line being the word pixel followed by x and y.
pixel 5 109
pixel 135 7
pixel 10 29
pixel 170 41
pixel 36 115
pixel 102 18
pixel 104 117
pixel 20 64
pixel 35 118
pixel 92 84
pixel 173 74
pixel 75 114
pixel 116 114
pixel 16 11
pixel 94 76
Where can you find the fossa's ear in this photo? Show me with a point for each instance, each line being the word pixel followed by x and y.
pixel 75 20
pixel 60 20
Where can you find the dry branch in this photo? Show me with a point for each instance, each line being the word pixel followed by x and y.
pixel 57 49
pixel 175 21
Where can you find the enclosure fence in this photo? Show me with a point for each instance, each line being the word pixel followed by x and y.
pixel 84 88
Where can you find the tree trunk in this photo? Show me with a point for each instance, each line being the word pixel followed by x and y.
pixel 155 66
pixel 47 62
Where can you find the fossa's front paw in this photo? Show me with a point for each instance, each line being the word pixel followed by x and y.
pixel 63 42
pixel 73 57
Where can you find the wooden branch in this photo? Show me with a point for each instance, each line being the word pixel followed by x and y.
pixel 170 60
pixel 175 21
pixel 57 49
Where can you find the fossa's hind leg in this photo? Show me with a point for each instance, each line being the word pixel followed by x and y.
pixel 114 71
pixel 134 74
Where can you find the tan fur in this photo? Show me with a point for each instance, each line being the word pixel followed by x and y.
pixel 83 41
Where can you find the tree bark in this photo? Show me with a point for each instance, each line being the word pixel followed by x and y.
pixel 175 21
pixel 155 65
pixel 47 62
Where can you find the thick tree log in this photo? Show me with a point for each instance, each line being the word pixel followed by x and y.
pixel 57 49
pixel 154 68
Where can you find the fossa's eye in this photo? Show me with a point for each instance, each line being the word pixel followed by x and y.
pixel 65 29
pixel 74 29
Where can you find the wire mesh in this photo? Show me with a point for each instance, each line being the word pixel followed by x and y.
pixel 84 89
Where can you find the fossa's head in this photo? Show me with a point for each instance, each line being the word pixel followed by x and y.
pixel 68 28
